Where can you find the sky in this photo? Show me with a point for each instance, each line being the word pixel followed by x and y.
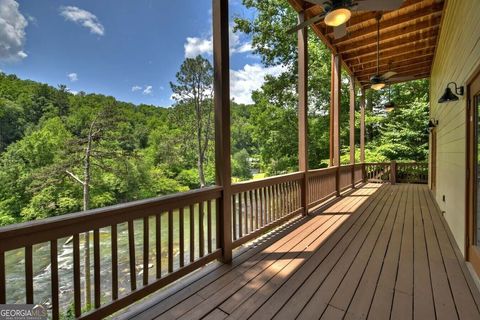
pixel 127 49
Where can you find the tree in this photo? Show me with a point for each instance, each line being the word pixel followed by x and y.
pixel 241 165
pixel 194 92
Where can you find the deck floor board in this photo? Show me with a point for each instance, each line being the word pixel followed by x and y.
pixel 378 252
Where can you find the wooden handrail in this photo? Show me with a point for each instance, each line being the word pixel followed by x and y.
pixel 28 233
pixel 265 182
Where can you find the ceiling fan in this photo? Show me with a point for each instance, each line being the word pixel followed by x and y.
pixel 378 81
pixel 337 12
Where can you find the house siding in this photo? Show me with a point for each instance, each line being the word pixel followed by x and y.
pixel 457 57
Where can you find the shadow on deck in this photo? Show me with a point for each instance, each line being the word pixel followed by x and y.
pixel 379 252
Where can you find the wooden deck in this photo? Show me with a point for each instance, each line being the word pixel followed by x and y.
pixel 380 252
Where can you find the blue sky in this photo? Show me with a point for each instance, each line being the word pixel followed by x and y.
pixel 127 49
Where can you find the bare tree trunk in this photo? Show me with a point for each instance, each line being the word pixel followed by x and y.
pixel 200 161
pixel 86 206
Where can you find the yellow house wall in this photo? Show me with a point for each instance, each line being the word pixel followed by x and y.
pixel 457 57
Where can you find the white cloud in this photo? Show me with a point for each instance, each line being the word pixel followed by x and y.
pixel 12 31
pixel 72 76
pixel 196 45
pixel 148 90
pixel 84 18
pixel 136 88
pixel 244 81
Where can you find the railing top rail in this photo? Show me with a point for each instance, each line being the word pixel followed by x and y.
pixel 322 171
pixel 255 184
pixel 38 231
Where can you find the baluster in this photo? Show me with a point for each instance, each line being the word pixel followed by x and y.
pixel 209 226
pixel 131 250
pixel 240 227
pixel 158 245
pixel 257 224
pixel 234 217
pixel 29 274
pixel 192 233
pixel 280 200
pixel 170 240
pixel 54 278
pixel 2 278
pixel 96 267
pixel 76 276
pixel 269 205
pixel 261 212
pixel 181 235
pixel 114 262
pixel 145 250
pixel 201 231
pixel 245 211
pixel 251 210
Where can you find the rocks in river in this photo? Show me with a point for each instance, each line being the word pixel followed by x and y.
pixel 68 240
pixel 150 265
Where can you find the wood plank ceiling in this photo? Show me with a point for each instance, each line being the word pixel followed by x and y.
pixel 408 37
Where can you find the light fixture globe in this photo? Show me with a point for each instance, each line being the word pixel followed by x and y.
pixel 337 17
pixel 377 82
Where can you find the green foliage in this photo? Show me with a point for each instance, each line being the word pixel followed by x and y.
pixel 241 165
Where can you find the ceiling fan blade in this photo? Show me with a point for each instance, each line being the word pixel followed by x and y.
pixel 306 23
pixel 388 74
pixel 340 31
pixel 319 2
pixel 400 79
pixel 375 5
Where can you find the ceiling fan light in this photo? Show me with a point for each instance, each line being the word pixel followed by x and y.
pixel 337 17
pixel 378 86
pixel 389 106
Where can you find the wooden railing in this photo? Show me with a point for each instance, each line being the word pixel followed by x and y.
pixel 174 254
pixel 171 235
pixel 378 172
pixel 402 172
pixel 260 205
pixel 322 185
pixel 412 172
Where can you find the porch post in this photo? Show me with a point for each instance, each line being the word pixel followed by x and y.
pixel 303 111
pixel 336 78
pixel 331 112
pixel 362 133
pixel 221 87
pixel 352 127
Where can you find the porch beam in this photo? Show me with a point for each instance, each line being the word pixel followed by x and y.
pixel 221 87
pixel 303 110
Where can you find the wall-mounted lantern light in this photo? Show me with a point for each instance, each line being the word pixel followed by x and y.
pixel 448 95
pixel 432 124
